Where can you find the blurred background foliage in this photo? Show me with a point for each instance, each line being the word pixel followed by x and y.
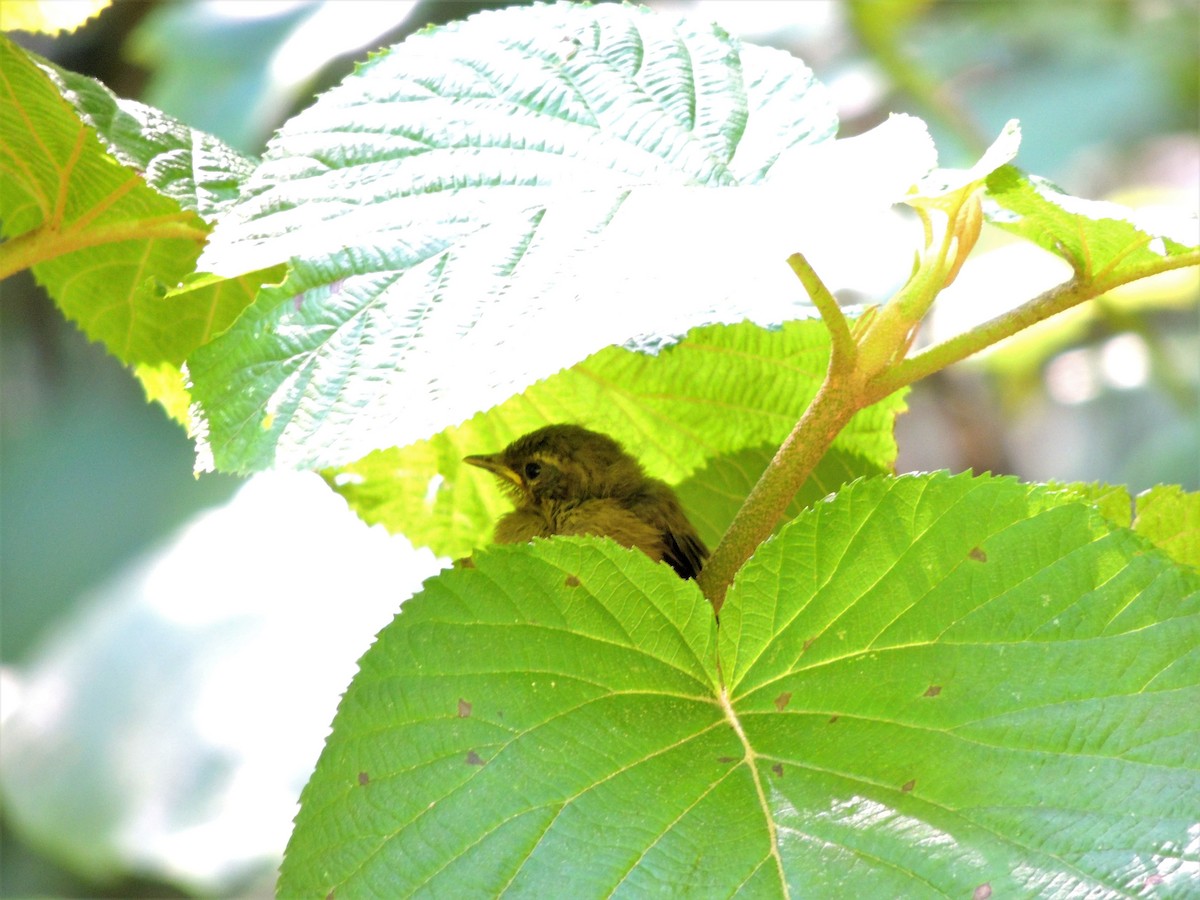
pixel 103 550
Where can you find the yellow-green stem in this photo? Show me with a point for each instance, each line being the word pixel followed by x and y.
pixel 1046 304
pixel 795 460
pixel 842 342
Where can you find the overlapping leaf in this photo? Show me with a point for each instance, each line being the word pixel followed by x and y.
pixel 491 202
pixel 191 167
pixel 928 685
pixel 104 199
pixel 706 414
pixel 1102 241
pixel 1170 517
pixel 1166 515
pixel 200 307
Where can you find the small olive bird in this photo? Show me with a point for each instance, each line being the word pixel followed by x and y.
pixel 565 479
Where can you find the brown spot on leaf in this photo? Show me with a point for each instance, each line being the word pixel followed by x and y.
pixel 572 581
pixel 783 700
pixel 464 562
pixel 933 690
pixel 977 554
pixel 363 778
pixel 778 769
pixel 473 758
pixel 982 892
pixel 832 719
pixel 464 709
pixel 726 759
pixel 807 644
pixel 908 785
pixel 329 896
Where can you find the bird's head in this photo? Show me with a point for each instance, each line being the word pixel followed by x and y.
pixel 562 463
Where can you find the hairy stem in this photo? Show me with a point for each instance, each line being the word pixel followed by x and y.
pixel 834 405
pixel 839 330
pixel 795 460
pixel 1046 304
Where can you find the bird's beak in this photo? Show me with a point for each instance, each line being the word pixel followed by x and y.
pixel 494 464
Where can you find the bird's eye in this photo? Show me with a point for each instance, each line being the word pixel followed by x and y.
pixel 532 470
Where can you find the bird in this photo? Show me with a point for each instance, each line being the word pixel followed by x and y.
pixel 566 479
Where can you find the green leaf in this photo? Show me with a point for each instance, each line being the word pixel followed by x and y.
pixel 1166 515
pixel 1104 242
pixel 1170 517
pixel 536 689
pixel 929 685
pixel 201 307
pixel 966 682
pixel 1111 501
pixel 193 168
pixel 103 199
pixel 706 414
pixel 509 195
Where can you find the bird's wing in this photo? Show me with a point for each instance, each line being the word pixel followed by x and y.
pixel 685 553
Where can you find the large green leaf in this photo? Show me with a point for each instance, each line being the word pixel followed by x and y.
pixel 706 414
pixel 490 202
pixel 1104 242
pixel 927 686
pixel 104 199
